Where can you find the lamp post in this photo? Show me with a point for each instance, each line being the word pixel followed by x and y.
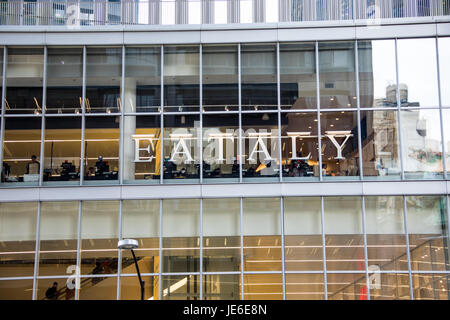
pixel 130 244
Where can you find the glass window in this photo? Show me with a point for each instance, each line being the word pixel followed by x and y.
pixel 386 240
pixel 140 221
pixel 101 149
pixel 182 145
pixel 431 286
pixel 303 234
pixel 428 233
pixel 181 78
pixel 221 235
pixel 64 80
pixel 21 150
pixel 337 75
pixel 24 80
pixel 309 286
pixel 377 74
pixel 221 287
pixel 220 78
pixel 446 120
pixel 380 146
pixel 98 288
pixel 444 70
pixel 18 238
pixel 299 145
pixel 340 153
pixel 389 286
pixel 181 287
pixel 103 79
pixel 298 76
pixel 99 236
pixel 58 237
pixel 263 287
pixel 220 148
pixel 62 150
pixel 16 289
pixel 349 286
pixel 421 144
pixel 130 289
pixel 343 233
pixel 142 79
pixel 55 289
pixel 259 77
pixel 260 147
pixel 142 149
pixel 417 81
pixel 181 236
pixel 262 240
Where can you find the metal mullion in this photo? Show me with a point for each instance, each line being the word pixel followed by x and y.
pixel 358 113
pixel 122 120
pixel 241 229
pixel 119 256
pixel 83 114
pixel 160 264
pixel 161 133
pixel 400 138
pixel 405 221
pixel 36 252
pixel 324 254
pixel 283 261
pixel 441 115
pixel 43 102
pixel 201 125
pixel 240 120
pixel 3 94
pixel 201 249
pixel 78 268
pixel 319 151
pixel 366 257
pixel 279 126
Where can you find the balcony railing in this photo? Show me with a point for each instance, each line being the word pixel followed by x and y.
pixel 167 12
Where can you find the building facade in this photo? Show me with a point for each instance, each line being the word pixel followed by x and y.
pixel 302 158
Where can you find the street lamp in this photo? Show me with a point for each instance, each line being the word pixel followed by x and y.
pixel 130 244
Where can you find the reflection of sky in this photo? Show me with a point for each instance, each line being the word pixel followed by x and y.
pixel 383 66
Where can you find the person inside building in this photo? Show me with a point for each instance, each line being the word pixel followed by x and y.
pixel 33 166
pixel 101 166
pixel 51 292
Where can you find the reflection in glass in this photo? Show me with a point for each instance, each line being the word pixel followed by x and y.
pixel 421 144
pixel 337 75
pixel 309 286
pixel 182 145
pixel 259 77
pixel 143 164
pixel 21 142
pixel 24 80
pixel 263 287
pixel 220 78
pixel 181 78
pixel 181 287
pixel 221 287
pixel 101 149
pixel 64 80
pixel 386 240
pixel 303 234
pixel 181 235
pixel 220 147
pixel 428 233
pixel 16 289
pixel 99 236
pixel 140 221
pixel 54 289
pixel 142 79
pixel 340 154
pixel 389 286
pixel 260 147
pixel 380 146
pixel 418 81
pixel 446 124
pixel 58 237
pixel 262 240
pixel 444 70
pixel 103 77
pixel 95 288
pixel 298 76
pixel 17 238
pixel 299 145
pixel 130 288
pixel 377 75
pixel 62 150
pixel 343 233
pixel 431 286
pixel 221 235
pixel 348 286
